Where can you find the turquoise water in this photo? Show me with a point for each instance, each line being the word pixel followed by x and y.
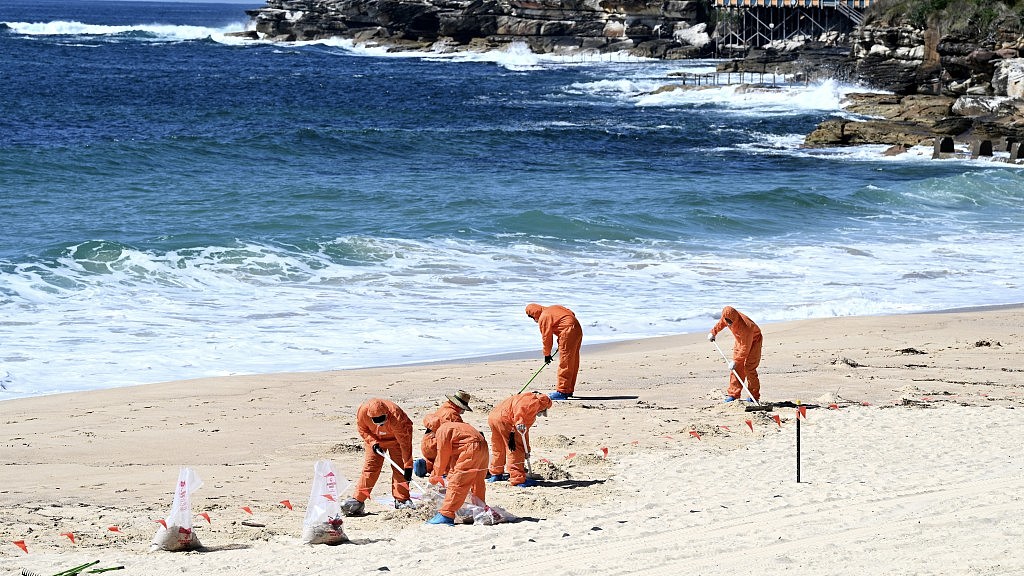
pixel 180 203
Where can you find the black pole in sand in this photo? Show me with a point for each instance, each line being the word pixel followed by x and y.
pixel 797 442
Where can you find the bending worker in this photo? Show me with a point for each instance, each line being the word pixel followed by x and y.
pixel 560 322
pixel 510 423
pixel 450 411
pixel 385 428
pixel 461 466
pixel 746 352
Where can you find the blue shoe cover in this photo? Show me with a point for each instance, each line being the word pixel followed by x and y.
pixel 419 467
pixel 441 519
pixel 496 478
pixel 730 399
pixel 527 483
pixel 558 396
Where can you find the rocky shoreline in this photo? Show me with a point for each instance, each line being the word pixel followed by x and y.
pixel 669 29
pixel 939 86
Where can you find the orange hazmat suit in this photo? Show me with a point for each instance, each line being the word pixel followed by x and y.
pixel 462 459
pixel 448 412
pixel 560 322
pixel 746 351
pixel 394 436
pixel 519 409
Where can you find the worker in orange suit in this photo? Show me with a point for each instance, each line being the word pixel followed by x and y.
pixel 746 352
pixel 451 411
pixel 385 428
pixel 510 423
pixel 560 322
pixel 462 462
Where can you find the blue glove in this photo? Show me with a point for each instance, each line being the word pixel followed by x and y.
pixel 419 467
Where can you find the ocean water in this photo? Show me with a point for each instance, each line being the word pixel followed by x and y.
pixel 177 203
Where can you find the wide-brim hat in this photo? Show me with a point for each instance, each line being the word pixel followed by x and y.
pixel 460 399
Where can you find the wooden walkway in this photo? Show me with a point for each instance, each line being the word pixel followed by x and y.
pixel 858 4
pixel 757 23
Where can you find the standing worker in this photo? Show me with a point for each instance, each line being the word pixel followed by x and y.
pixel 746 352
pixel 450 411
pixel 559 321
pixel 462 462
pixel 510 423
pixel 384 427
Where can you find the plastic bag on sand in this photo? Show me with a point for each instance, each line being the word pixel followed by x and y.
pixel 432 499
pixel 475 511
pixel 175 533
pixel 323 523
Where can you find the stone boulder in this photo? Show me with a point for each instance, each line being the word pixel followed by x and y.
pixel 1008 77
pixel 900 121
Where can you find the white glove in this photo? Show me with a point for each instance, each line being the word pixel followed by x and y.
pixel 711 337
pixel 732 365
pixel 521 428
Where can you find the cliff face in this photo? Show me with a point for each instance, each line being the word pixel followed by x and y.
pixel 908 60
pixel 952 85
pixel 667 29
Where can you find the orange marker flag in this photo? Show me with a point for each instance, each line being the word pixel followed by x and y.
pixel 161 522
pixel 695 434
pixel 286 504
pixel 247 509
pixel 545 460
pixel 206 516
pixel 114 529
pixel 801 412
pixel 328 496
pixel 750 425
pixel 833 406
pixel 726 428
pixel 21 544
pixel 70 535
pixel 604 450
pixel 570 455
pixel 778 421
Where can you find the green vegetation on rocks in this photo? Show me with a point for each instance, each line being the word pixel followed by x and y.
pixel 979 18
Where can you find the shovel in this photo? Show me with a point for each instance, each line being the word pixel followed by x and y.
pixel 757 405
pixel 529 468
pixel 553 354
pixel 402 470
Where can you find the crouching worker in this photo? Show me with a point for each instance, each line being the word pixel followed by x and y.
pixel 510 423
pixel 385 428
pixel 450 411
pixel 461 465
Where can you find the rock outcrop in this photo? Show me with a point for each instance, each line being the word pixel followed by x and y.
pixel 914 120
pixel 949 85
pixel 667 29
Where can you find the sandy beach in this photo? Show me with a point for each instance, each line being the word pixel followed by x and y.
pixel 910 462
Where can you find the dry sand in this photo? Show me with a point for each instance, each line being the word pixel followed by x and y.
pixel 917 469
